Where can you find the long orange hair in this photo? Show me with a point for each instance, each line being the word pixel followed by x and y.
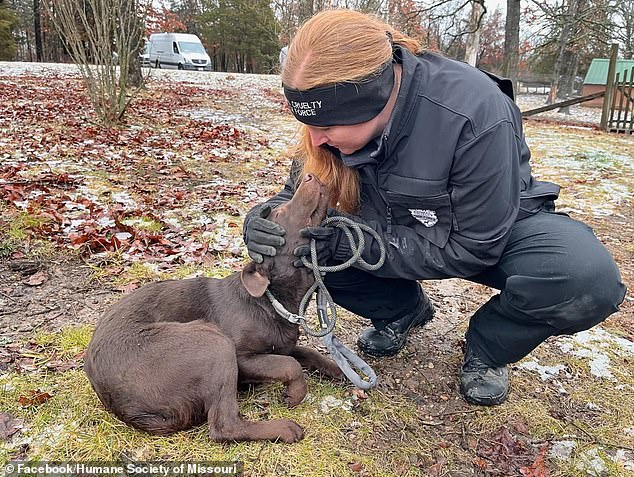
pixel 337 46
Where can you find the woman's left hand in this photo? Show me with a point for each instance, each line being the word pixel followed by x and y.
pixel 325 239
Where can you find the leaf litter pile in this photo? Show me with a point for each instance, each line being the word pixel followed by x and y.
pixel 146 190
pixel 88 213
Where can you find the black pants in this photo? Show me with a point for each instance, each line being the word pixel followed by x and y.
pixel 554 277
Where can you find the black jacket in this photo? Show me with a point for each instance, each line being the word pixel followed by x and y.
pixel 449 176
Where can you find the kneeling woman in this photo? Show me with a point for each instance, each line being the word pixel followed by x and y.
pixel 430 152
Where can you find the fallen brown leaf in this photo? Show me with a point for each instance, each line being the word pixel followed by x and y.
pixel 36 279
pixel 539 468
pixel 9 425
pixel 35 398
pixel 61 366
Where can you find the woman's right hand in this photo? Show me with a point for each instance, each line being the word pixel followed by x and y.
pixel 262 236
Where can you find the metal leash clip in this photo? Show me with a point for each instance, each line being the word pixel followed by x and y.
pixel 342 355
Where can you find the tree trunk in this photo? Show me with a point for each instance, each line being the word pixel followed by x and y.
pixel 629 33
pixel 564 49
pixel 29 47
pixel 569 66
pixel 37 29
pixel 512 41
pixel 135 75
pixel 473 37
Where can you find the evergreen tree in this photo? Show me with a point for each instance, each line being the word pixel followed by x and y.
pixel 7 41
pixel 241 35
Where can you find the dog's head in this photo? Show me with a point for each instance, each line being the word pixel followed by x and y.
pixel 307 208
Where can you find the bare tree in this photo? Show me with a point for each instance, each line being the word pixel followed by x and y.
pixel 566 63
pixel 491 55
pixel 623 30
pixel 102 37
pixel 572 30
pixel 452 26
pixel 472 47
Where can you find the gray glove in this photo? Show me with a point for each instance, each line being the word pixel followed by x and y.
pixel 261 236
pixel 325 241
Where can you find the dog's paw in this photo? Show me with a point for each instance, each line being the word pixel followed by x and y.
pixel 295 393
pixel 332 371
pixel 289 431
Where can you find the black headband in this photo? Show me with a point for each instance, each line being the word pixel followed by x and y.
pixel 342 104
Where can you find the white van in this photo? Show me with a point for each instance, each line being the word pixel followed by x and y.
pixel 181 51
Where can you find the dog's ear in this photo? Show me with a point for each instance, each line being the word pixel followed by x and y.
pixel 253 280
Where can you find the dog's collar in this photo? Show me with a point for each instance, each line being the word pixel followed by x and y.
pixel 283 312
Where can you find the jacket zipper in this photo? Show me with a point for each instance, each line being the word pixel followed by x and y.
pixel 388 209
pixel 374 182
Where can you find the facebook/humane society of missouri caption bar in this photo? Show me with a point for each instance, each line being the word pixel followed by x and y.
pixel 115 469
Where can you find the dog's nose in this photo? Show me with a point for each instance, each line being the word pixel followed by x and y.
pixel 308 177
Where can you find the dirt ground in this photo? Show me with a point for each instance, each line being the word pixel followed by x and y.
pixel 230 131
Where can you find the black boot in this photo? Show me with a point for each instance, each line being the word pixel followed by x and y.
pixel 482 383
pixel 392 338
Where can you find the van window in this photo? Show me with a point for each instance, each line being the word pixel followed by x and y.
pixel 191 47
pixel 175 47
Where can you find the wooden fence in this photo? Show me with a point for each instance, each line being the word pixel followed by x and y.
pixel 621 108
pixel 617 114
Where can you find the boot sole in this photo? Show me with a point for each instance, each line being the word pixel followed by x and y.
pixel 491 400
pixel 486 401
pixel 378 353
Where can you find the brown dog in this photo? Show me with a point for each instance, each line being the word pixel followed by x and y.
pixel 171 354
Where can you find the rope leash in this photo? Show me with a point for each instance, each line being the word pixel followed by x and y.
pixel 345 358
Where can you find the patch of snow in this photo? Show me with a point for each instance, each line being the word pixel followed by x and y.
pixel 599 363
pixel 124 198
pixel 19 68
pixel 203 220
pixel 545 372
pixel 49 438
pixel 592 464
pixel 68 205
pixel 560 387
pixel 330 403
pixel 106 222
pixel 625 458
pixel 578 112
pixel 593 345
pixel 173 222
pixel 562 449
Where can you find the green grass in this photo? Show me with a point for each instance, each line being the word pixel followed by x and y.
pixel 73 425
pixel 378 436
pixel 546 415
pixel 18 229
pixel 67 343
pixel 143 223
pixel 113 269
